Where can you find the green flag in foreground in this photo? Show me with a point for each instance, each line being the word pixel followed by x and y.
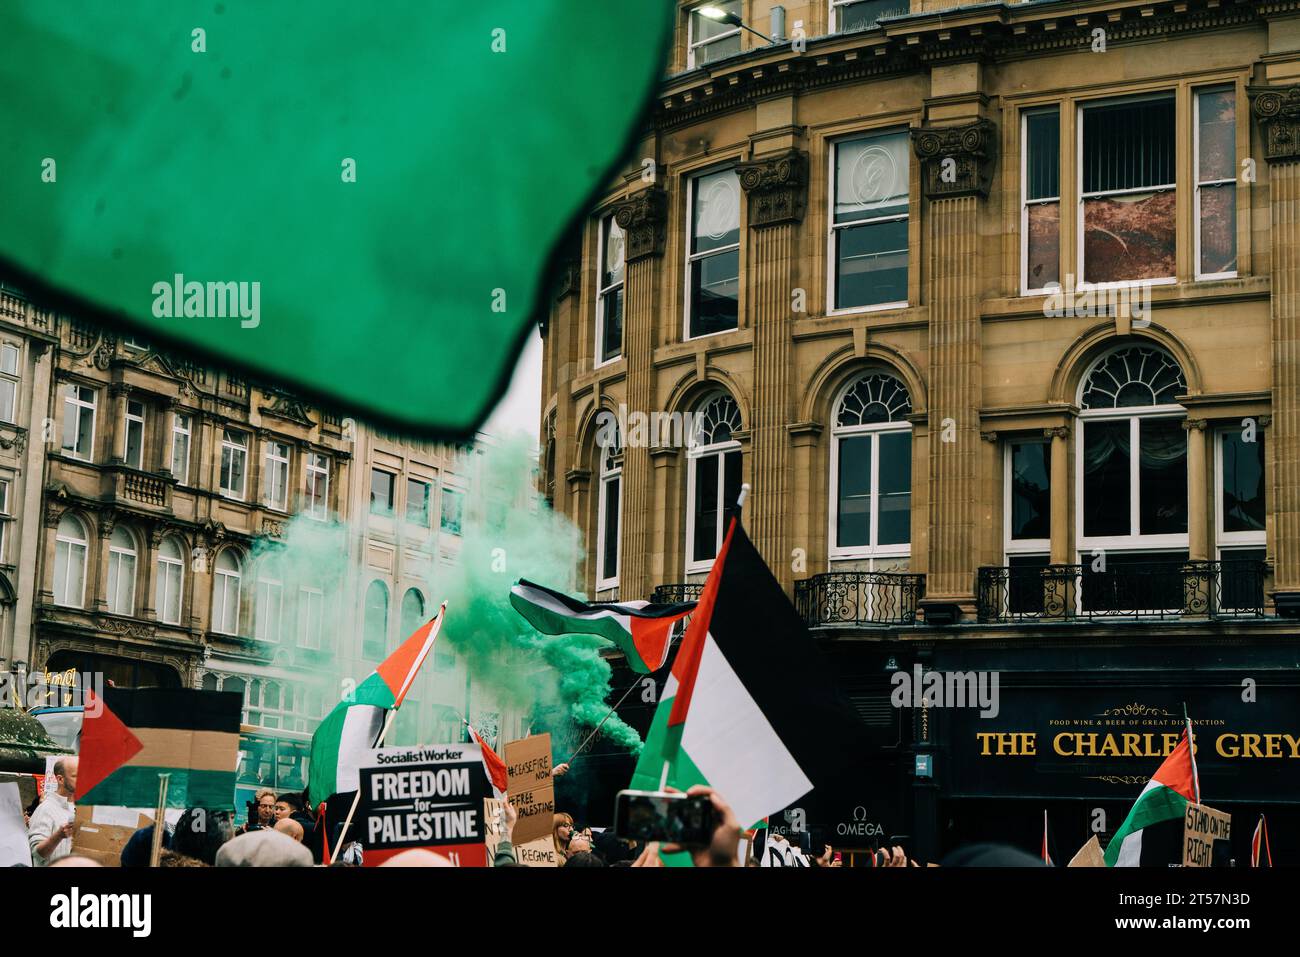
pixel 348 199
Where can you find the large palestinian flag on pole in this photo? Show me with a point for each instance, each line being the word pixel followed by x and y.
pixel 343 740
pixel 642 631
pixel 1164 798
pixel 749 709
pixel 130 736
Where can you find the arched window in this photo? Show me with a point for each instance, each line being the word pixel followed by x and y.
pixel 412 613
pixel 608 511
pixel 171 575
pixel 374 638
pixel 1132 461
pixel 210 682
pixel 712 478
pixel 70 563
pixel 226 580
pixel 269 607
pixel 871 469
pixel 121 572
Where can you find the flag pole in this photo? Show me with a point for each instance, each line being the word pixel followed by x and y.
pixel 379 743
pixel 1191 751
pixel 159 820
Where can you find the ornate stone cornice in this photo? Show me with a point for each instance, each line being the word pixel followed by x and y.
pixel 1194 425
pixel 644 220
pixel 1277 113
pixel 956 160
pixel 777 188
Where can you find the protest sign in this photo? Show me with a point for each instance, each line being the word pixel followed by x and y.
pixel 531 789
pixel 1202 826
pixel 1089 855
pixel 538 853
pixel 494 828
pixel 424 797
pixel 14 848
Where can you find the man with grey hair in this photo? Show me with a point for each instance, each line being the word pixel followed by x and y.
pixel 49 832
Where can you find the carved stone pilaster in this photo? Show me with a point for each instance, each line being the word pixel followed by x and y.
pixel 956 160
pixel 1057 432
pixel 1277 112
pixel 644 221
pixel 777 188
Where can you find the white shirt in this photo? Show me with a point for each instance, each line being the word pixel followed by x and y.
pixel 52 813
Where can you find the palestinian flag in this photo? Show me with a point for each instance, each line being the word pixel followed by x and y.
pixel 1164 798
pixel 493 766
pixel 748 708
pixel 130 736
pixel 342 740
pixel 642 631
pixel 1260 854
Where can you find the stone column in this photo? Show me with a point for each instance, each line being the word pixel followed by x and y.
pixel 1198 496
pixel 644 219
pixel 1060 481
pixel 116 426
pixel 956 172
pixel 1277 113
pixel 664 462
pixel 777 188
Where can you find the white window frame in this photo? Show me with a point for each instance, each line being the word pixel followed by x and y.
pixel 232 447
pixel 1248 539
pixel 73 403
pixel 1022 546
pixel 314 472
pixel 428 502
pixel 692 258
pixel 392 495
pixel 1196 161
pixel 693 45
pixel 832 261
pixel 6 481
pixel 168 566
pixel 875 430
pixel 834 19
pixel 222 582
pixel 269 598
pixel 1080 282
pixel 136 420
pixel 694 453
pixel 11 380
pixel 181 433
pixel 273 462
pixel 452 490
pixel 602 294
pixel 121 560
pixel 611 472
pixel 307 597
pixel 71 545
pixel 1025 202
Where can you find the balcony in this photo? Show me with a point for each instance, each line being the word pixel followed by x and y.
pixel 1138 590
pixel 676 594
pixel 859 598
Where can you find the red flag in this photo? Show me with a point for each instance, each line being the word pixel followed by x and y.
pixel 1260 843
pixel 493 766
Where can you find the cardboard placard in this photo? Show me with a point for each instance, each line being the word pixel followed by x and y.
pixel 1202 826
pixel 538 853
pixel 103 842
pixel 531 789
pixel 424 797
pixel 1089 855
pixel 493 826
pixel 14 848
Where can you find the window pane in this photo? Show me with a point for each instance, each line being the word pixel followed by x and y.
pixel 452 507
pixel 1162 472
pixel 609 558
pixel 1242 578
pixel 1217 155
pixel 1128 145
pixel 715 293
pixel 1043 155
pixel 853 521
pixel 863 15
pixel 706 508
pixel 1043 248
pixel 1218 229
pixel 871 177
pixel 417 502
pixel 1129 237
pixel 611 342
pixel 381 492
pixel 1243 483
pixel 730 487
pixel 1031 497
pixel 871 264
pixel 180 456
pixel 1025 583
pixel 612 256
pixel 715 218
pixel 895 487
pixel 8 359
pixel 8 394
pixel 1106 478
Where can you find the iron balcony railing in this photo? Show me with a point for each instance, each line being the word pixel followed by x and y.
pixel 676 594
pixel 859 598
pixel 1155 590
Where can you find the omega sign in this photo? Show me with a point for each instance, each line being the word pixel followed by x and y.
pixel 860 827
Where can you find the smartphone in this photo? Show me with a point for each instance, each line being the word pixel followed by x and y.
pixel 666 817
